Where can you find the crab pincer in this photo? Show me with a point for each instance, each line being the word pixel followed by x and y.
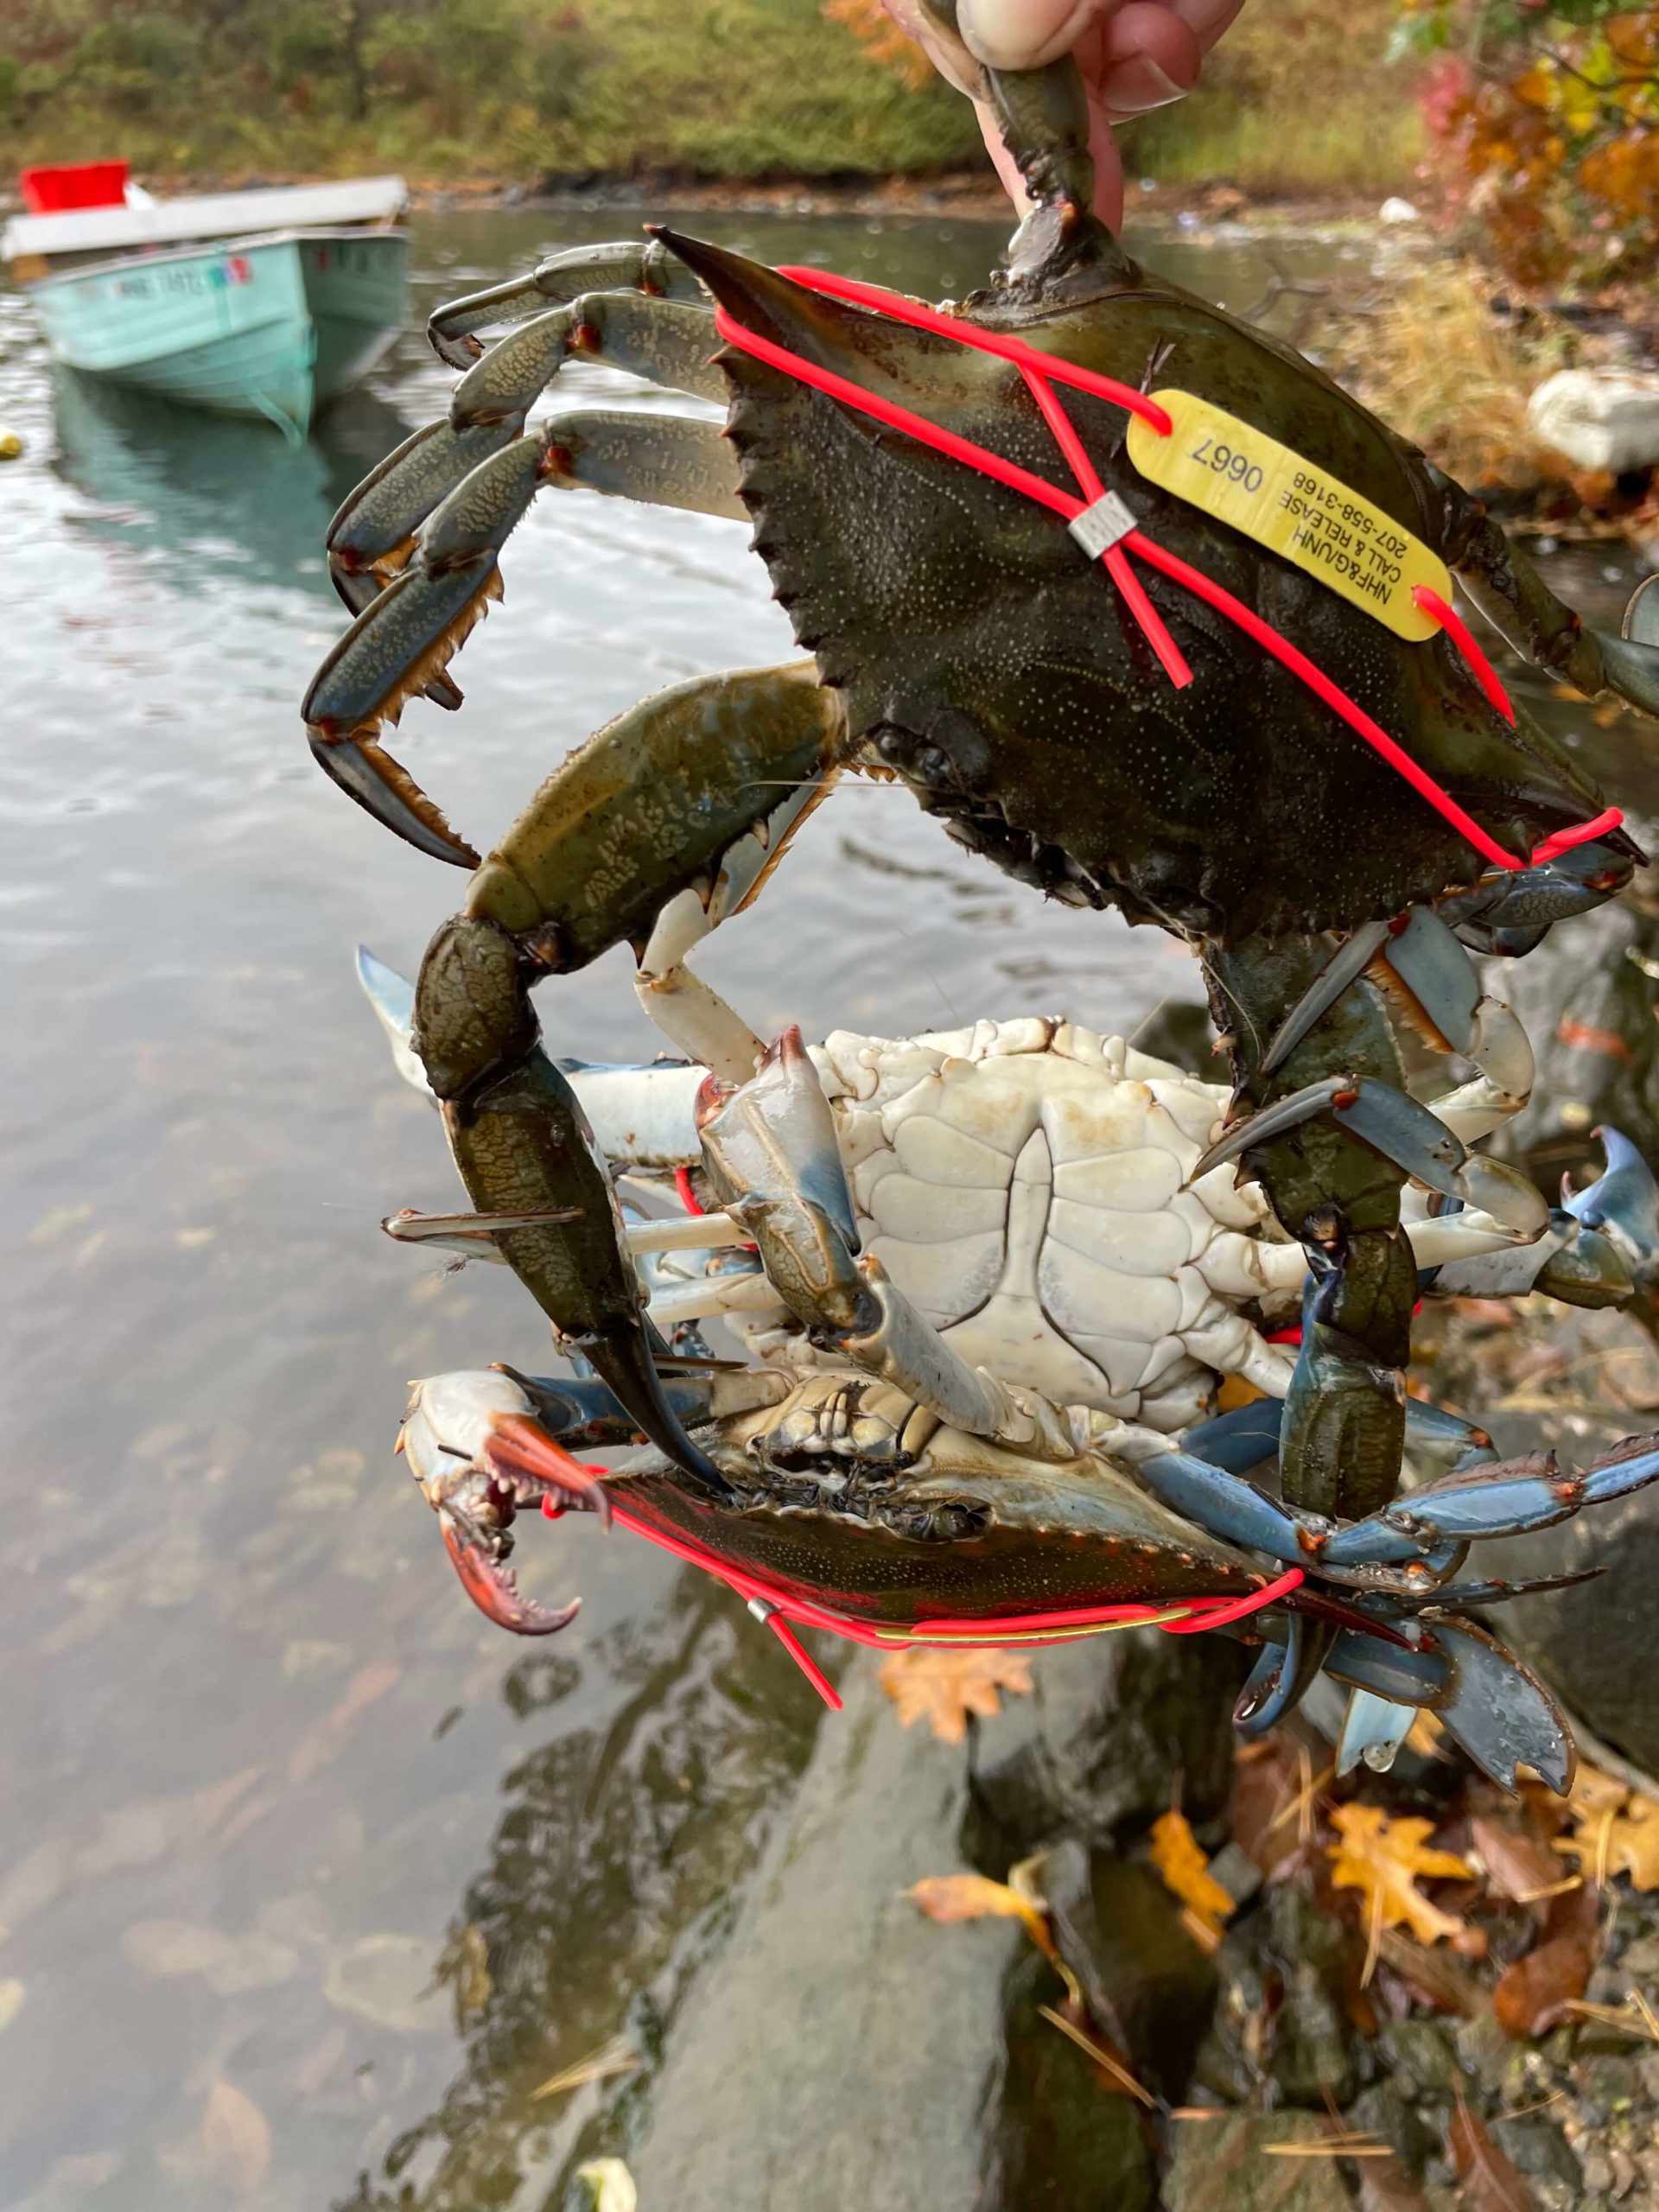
pixel 479 1455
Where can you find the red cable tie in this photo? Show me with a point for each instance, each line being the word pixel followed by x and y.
pixel 1170 657
pixel 803 1658
pixel 688 1196
pixel 898 418
pixel 901 309
pixel 1235 1609
pixel 1585 833
pixel 1425 597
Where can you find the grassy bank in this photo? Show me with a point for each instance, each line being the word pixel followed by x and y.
pixel 515 90
pixel 1297 101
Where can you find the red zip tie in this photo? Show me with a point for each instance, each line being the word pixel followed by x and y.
pixel 1320 684
pixel 688 1196
pixel 1169 653
pixel 1235 1609
pixel 901 309
pixel 1585 834
pixel 1038 368
pixel 804 1659
pixel 1463 638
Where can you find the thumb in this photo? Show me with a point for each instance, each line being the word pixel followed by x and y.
pixel 1025 34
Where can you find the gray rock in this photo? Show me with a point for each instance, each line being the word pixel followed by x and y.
pixel 1220 2166
pixel 1144 1979
pixel 843 2050
pixel 1422 2061
pixel 1312 2044
pixel 1538 2148
pixel 1112 1718
pixel 1381 2110
pixel 1311 2052
pixel 1485 2050
pixel 1065 2142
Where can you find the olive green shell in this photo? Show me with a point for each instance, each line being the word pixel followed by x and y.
pixel 984 656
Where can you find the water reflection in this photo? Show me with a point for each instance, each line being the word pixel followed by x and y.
pixel 161 479
pixel 619 1848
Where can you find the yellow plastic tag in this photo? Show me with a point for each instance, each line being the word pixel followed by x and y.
pixel 1289 504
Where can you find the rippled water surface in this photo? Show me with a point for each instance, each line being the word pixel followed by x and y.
pixel 308 1881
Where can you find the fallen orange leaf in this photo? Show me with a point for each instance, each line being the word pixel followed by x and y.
pixel 944 1687
pixel 1178 1857
pixel 947 1898
pixel 1616 1830
pixel 1385 1860
pixel 1534 1993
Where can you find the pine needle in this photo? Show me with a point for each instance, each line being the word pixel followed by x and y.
pixel 611 2058
pixel 1101 2058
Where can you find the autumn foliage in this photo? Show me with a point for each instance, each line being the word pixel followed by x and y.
pixel 1546 114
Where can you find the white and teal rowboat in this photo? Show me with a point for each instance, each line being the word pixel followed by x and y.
pixel 279 301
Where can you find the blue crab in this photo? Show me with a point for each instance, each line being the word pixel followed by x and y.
pixel 982 644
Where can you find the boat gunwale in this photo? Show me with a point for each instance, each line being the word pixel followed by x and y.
pixel 136 256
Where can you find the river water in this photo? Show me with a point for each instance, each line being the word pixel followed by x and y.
pixel 309 1881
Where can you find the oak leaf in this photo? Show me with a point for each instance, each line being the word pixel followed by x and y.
pixel 1178 1857
pixel 1517 1866
pixel 1536 1992
pixel 944 1687
pixel 1616 1830
pixel 1385 1859
pixel 947 1898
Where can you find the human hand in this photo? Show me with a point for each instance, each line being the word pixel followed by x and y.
pixel 1134 56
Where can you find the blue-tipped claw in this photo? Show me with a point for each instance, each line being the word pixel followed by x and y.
pixel 1282 1674
pixel 1395 1125
pixel 1437 974
pixel 1498 1711
pixel 393 997
pixel 1623 1204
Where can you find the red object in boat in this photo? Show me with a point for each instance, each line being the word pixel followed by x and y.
pixel 74 184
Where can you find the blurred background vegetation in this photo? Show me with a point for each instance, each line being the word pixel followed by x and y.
pixel 530 89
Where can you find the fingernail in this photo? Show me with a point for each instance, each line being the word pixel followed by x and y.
pixel 1141 84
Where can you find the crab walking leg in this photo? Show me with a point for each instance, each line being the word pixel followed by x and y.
pixel 771 1155
pixel 1344 1414
pixel 373 535
pixel 406 636
pixel 629 265
pixel 1424 971
pixel 649 805
pixel 1517 602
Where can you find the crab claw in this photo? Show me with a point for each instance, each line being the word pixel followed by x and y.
pixel 1623 1205
pixel 473 1445
pixel 494 1588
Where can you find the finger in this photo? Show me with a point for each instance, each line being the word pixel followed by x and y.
pixel 1149 56
pixel 1208 19
pixel 1025 34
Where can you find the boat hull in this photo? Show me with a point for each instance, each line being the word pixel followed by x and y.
pixel 271 328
